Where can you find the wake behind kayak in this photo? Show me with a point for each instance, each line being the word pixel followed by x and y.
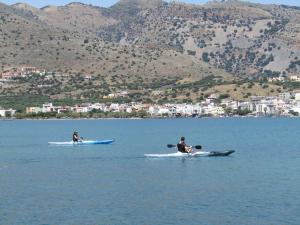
pixel 83 142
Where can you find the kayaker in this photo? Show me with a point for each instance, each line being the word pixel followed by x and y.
pixel 76 137
pixel 182 147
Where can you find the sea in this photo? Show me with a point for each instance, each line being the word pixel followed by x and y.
pixel 116 184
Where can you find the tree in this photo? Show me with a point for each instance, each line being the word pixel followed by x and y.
pixel 228 110
pixel 294 113
pixel 205 57
pixel 242 112
pixel 8 114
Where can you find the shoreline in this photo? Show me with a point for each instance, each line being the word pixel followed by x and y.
pixel 13 119
pixel 146 118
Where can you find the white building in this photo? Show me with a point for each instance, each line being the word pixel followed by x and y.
pixel 188 109
pixel 163 110
pixel 244 105
pixel 98 106
pixel 285 96
pixel 48 107
pixel 234 105
pixel 297 96
pixel 129 110
pixel 7 112
pixel 114 107
pixel 213 110
pixel 33 110
pixel 277 79
pixel 295 78
pixel 153 110
pixel 265 107
pixel 111 95
pixel 80 109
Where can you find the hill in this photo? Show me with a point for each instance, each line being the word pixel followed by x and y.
pixel 141 46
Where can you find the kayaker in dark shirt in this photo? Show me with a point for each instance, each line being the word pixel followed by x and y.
pixel 182 147
pixel 76 137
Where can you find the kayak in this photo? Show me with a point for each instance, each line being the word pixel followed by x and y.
pixel 192 154
pixel 84 142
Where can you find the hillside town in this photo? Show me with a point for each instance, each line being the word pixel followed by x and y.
pixel 27 71
pixel 21 72
pixel 286 104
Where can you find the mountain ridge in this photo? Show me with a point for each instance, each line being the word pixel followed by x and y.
pixel 119 25
pixel 142 43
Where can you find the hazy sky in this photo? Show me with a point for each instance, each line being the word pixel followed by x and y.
pixel 107 3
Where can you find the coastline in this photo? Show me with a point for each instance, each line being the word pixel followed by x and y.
pixel 146 118
pixel 82 118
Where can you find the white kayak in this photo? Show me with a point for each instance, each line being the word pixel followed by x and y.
pixel 192 154
pixel 83 142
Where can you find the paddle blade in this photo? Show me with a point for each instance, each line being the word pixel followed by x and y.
pixel 198 147
pixel 171 146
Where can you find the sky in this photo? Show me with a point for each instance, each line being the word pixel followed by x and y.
pixel 107 3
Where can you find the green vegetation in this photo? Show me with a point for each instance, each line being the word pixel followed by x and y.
pixel 170 90
pixel 294 113
pixel 242 112
pixel 205 57
pixel 92 114
pixel 21 102
pixel 223 96
pixel 206 82
pixel 291 85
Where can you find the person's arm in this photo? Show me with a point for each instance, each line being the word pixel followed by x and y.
pixel 188 146
pixel 185 145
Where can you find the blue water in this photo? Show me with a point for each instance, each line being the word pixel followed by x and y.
pixel 116 184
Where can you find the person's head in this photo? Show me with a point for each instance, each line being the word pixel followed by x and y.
pixel 75 132
pixel 182 139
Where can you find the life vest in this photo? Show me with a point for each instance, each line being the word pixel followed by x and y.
pixel 181 148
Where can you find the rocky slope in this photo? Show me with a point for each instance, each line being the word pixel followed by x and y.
pixel 139 45
pixel 245 39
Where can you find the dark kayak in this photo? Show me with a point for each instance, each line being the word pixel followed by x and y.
pixel 225 153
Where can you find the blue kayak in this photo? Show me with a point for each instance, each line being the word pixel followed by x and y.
pixel 83 142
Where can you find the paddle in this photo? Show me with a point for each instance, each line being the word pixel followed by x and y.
pixel 173 146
